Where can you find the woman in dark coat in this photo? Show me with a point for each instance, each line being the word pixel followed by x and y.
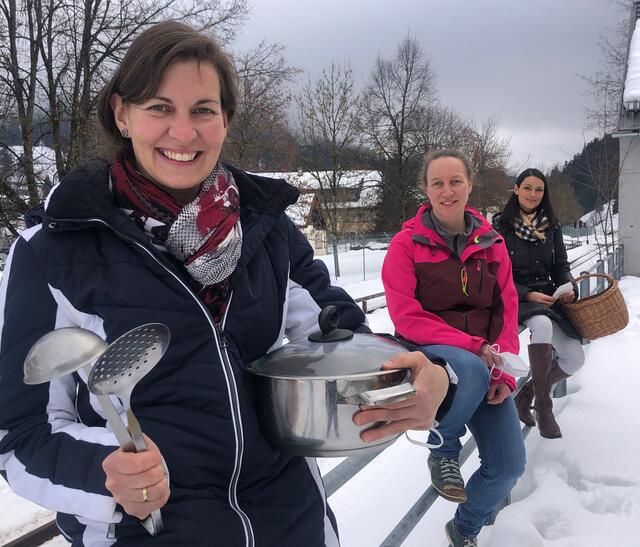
pixel 533 237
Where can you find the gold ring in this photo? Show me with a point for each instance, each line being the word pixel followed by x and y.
pixel 145 494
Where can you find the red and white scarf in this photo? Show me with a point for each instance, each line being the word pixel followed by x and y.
pixel 205 235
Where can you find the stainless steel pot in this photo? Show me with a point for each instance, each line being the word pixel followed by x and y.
pixel 308 391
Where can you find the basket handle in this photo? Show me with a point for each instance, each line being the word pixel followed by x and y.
pixel 612 280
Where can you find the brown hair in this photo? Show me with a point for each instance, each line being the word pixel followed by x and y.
pixel 445 153
pixel 150 54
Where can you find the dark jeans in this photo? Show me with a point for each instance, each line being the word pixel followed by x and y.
pixel 496 430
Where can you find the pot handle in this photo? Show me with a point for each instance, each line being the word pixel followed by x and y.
pixel 387 395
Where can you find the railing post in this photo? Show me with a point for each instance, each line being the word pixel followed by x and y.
pixel 620 261
pixel 611 268
pixel 585 289
pixel 600 270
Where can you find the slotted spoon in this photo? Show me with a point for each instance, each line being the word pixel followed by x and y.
pixel 120 368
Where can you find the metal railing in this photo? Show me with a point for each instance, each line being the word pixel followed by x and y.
pixel 364 300
pixel 612 265
pixel 346 470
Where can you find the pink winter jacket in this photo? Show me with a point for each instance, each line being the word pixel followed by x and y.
pixel 435 297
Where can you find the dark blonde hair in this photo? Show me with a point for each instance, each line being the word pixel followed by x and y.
pixel 445 153
pixel 150 54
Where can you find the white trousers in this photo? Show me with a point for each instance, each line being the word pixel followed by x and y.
pixel 569 354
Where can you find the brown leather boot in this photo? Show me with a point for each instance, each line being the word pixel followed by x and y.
pixel 541 361
pixel 523 400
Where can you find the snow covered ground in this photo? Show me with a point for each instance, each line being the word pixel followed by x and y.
pixel 581 490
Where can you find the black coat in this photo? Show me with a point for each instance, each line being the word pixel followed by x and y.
pixel 89 265
pixel 540 266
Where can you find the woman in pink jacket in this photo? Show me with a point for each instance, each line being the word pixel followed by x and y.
pixel 448 283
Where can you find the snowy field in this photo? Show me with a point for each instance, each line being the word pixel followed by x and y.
pixel 581 490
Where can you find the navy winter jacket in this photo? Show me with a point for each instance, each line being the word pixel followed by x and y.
pixel 87 264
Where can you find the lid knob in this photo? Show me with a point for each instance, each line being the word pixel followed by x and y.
pixel 328 321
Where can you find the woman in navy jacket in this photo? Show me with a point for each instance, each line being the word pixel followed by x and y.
pixel 533 237
pixel 167 233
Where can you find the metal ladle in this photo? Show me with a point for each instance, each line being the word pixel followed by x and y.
pixel 63 351
pixel 66 350
pixel 120 368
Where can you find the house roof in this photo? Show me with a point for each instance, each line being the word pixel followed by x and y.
pixel 299 211
pixel 366 182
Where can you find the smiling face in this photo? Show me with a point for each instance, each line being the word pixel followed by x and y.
pixel 530 193
pixel 177 134
pixel 448 187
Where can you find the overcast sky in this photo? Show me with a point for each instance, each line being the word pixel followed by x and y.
pixel 521 60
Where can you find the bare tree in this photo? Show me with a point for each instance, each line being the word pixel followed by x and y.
pixel 329 118
pixel 489 154
pixel 260 126
pixel 19 67
pixel 606 85
pixel 398 98
pixel 440 127
pixel 11 203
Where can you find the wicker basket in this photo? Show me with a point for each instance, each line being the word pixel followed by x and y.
pixel 599 314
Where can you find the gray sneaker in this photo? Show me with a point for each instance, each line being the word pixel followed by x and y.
pixel 446 478
pixel 456 539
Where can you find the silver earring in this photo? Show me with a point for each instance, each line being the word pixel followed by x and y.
pixel 124 133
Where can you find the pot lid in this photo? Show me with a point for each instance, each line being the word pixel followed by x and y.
pixel 328 354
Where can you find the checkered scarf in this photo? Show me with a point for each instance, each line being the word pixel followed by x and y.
pixel 530 227
pixel 205 235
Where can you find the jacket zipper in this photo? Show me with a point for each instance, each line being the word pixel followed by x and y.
pixel 221 344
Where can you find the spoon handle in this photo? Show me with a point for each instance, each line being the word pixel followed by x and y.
pixel 133 442
pixel 113 418
pixel 135 431
pixel 117 426
pixel 153 523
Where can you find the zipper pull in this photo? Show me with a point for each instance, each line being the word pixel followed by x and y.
pixel 464 280
pixel 478 266
pixel 224 341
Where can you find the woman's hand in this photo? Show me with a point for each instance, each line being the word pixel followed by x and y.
pixel 540 298
pixel 567 297
pixel 498 393
pixel 489 357
pixel 132 477
pixel 431 383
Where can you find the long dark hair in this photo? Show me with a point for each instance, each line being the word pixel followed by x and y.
pixel 512 208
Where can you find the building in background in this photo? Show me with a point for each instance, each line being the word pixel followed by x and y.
pixel 354 206
pixel 629 142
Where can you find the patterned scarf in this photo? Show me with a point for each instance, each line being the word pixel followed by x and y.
pixel 205 235
pixel 530 227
